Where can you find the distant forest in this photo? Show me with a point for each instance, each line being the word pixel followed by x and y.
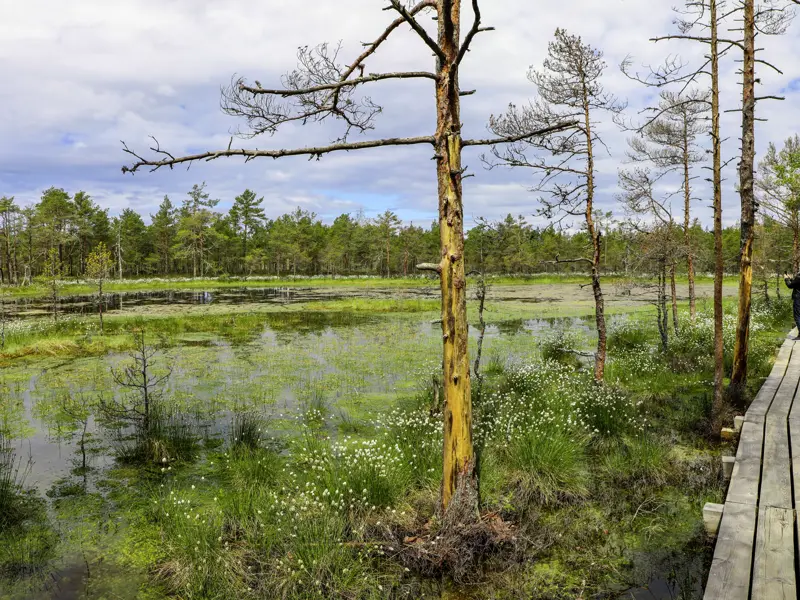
pixel 191 238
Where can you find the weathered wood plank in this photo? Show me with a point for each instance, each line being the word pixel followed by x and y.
pixel 794 436
pixel 782 403
pixel 773 566
pixel 760 405
pixel 729 578
pixel 776 482
pixel 746 476
pixel 758 522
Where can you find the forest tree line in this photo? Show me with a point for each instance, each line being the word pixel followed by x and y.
pixel 190 238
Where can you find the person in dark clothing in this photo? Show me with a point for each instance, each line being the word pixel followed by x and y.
pixel 793 283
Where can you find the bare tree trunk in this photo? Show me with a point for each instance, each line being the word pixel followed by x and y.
pixel 599 308
pixel 661 305
pixel 100 303
pixel 119 250
pixel 674 293
pixel 481 294
pixel 600 317
pixel 718 404
pixel 795 242
pixel 459 483
pixel 747 193
pixel 687 238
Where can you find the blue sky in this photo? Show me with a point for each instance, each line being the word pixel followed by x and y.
pixel 82 76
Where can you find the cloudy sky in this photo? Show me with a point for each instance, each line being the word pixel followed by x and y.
pixel 78 77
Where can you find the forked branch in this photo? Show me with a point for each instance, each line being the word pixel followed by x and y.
pixel 409 18
pixel 475 30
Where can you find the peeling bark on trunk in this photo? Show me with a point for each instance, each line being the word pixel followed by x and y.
pixel 718 404
pixel 747 193
pixel 459 497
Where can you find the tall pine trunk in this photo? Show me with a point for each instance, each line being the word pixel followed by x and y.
pixel 459 498
pixel 594 234
pixel 747 193
pixel 718 404
pixel 687 238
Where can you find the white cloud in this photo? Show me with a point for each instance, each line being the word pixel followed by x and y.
pixel 85 75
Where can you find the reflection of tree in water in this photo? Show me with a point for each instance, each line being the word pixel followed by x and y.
pixel 510 326
pixel 312 321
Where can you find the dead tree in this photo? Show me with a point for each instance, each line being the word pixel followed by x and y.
pixel 769 17
pixel 662 246
pixel 78 410
pixel 146 385
pixel 699 22
pixel 669 142
pixel 569 88
pixel 321 89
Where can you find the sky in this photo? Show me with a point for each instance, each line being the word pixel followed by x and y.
pixel 79 77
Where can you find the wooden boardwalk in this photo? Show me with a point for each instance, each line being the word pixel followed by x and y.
pixel 755 553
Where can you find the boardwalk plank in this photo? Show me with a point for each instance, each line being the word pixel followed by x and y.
pixel 746 476
pixel 776 482
pixel 761 403
pixel 729 578
pixel 782 403
pixel 773 566
pixel 758 521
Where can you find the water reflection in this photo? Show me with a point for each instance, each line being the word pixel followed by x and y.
pixel 21 308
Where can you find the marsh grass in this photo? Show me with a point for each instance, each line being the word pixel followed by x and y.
pixel 560 346
pixel 548 465
pixel 631 461
pixel 27 542
pixel 247 430
pixel 588 475
pixel 170 436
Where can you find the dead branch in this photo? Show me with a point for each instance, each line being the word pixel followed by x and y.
pixel 409 18
pixel 338 84
pixel 476 29
pixel 249 154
